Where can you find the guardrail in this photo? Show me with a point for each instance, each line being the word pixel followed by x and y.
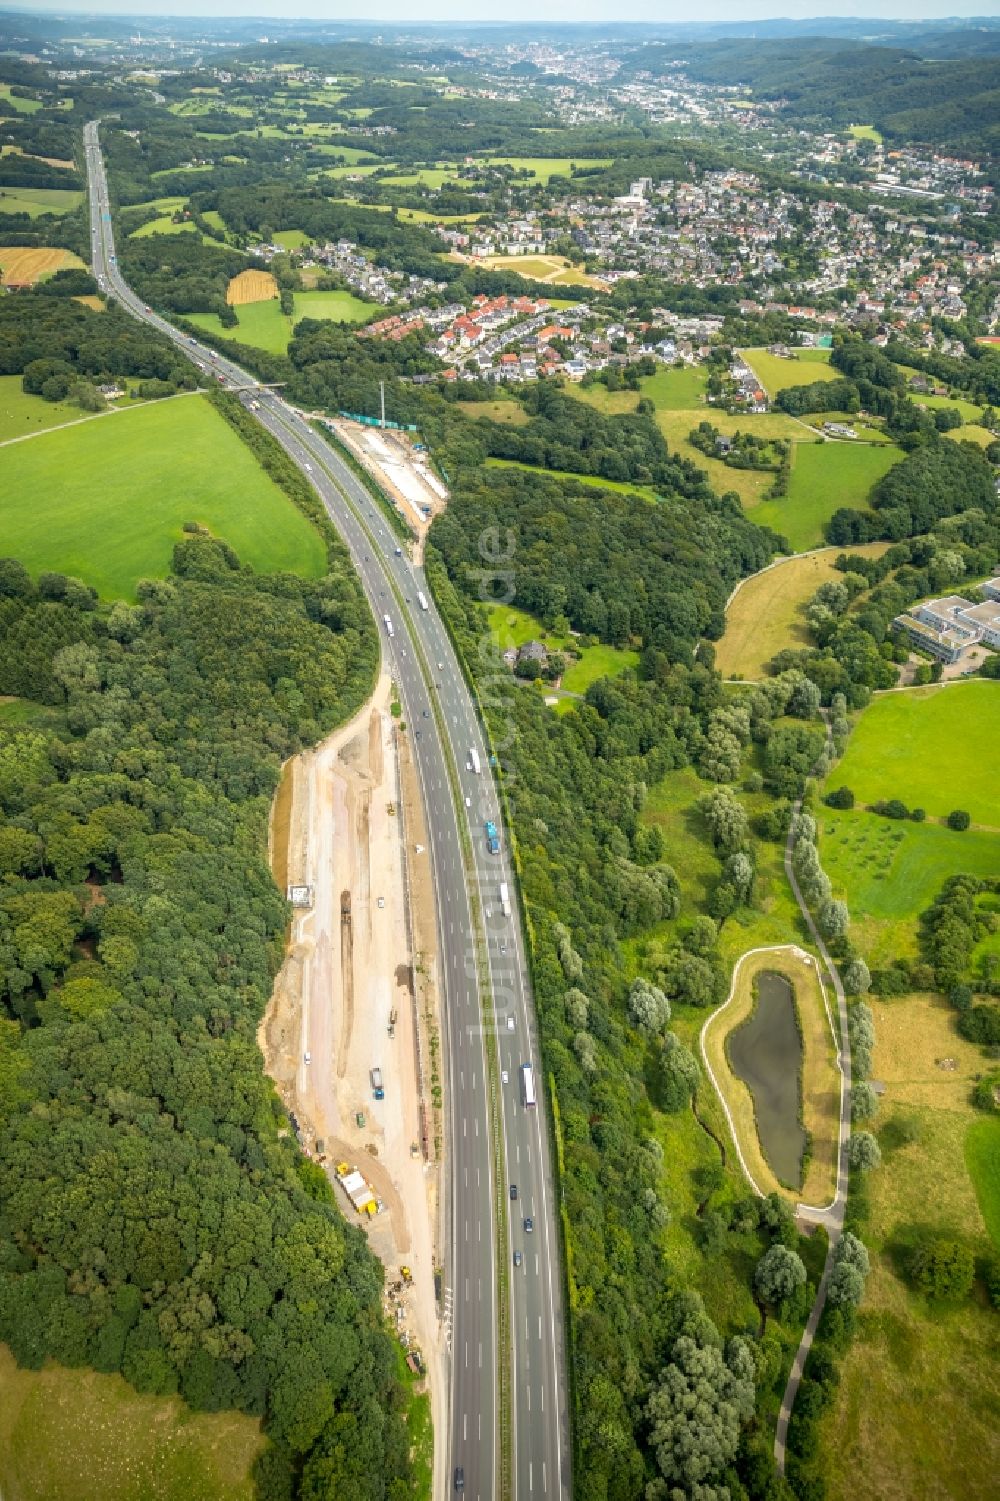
pixel 485 986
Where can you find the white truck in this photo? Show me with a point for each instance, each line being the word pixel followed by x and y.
pixel 504 899
pixel 388 626
pixel 422 600
pixel 474 760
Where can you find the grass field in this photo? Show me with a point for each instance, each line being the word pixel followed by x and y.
pixel 251 286
pixel 776 374
pixel 513 627
pixel 79 1436
pixel 597 662
pixel 544 167
pixel 428 177
pixel 971 432
pixel 749 484
pixel 593 480
pixel 671 390
pixel 982 1159
pixel 768 612
pixel 915 1376
pixel 21 413
pixel 37 201
pixel 24 263
pixel 820 1091
pixel 889 871
pixel 105 501
pixel 932 747
pixel 864 133
pixel 20 106
pixel 672 804
pixel 555 270
pixel 292 239
pixel 265 326
pixel 509 411
pixel 825 476
pixel 163 226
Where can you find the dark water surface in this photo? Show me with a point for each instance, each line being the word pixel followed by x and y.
pixel 766 1053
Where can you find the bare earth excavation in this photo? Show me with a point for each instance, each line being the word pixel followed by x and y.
pixel 350 1031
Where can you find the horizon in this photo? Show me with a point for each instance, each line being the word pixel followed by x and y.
pixel 524 13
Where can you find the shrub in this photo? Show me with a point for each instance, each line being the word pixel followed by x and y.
pixel 840 797
pixel 958 819
pixel 943 1270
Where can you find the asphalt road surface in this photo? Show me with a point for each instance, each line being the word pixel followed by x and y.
pixel 439 711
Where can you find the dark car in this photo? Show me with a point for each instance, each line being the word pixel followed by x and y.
pixel 529 1224
pixel 459 1478
pixel 513 1190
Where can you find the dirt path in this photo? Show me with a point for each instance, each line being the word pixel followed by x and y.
pixel 346 998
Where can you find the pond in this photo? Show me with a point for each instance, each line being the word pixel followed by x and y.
pixel 766 1053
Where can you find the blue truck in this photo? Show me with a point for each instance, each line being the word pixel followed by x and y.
pixel 492 838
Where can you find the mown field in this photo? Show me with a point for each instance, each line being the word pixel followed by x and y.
pixel 933 747
pixel 34 263
pixel 825 476
pixel 105 501
pixel 768 611
pixel 265 326
pixel 889 871
pixel 68 1435
pixel 36 201
pixel 776 373
pixel 918 1376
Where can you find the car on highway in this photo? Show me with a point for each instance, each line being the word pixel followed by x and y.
pixel 518 1258
pixel 427 713
pixel 513 1191
pixel 529 1224
pixel 459 1478
pixel 510 1024
pixel 307 1057
pixel 504 1077
pixel 381 901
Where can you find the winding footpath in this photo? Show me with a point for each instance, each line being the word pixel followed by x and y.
pixel 831 1217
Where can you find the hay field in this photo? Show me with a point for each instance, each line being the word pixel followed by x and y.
pixel 31 263
pixel 768 611
pixel 251 286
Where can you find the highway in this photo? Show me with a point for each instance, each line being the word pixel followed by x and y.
pixel 439 710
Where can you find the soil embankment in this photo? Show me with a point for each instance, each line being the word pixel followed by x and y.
pixel 357 992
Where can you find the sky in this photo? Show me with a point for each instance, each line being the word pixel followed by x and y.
pixel 415 11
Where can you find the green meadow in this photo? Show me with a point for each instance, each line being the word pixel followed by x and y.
pixel 265 326
pixel 776 373
pixel 889 870
pixel 934 748
pixel 105 501
pixel 72 1435
pixel 825 476
pixel 21 413
pixel 36 201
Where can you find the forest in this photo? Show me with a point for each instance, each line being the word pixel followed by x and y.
pixel 593 875
pixel 159 1219
pixel 954 102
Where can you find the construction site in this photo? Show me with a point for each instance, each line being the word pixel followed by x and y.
pixel 350 1036
pixel 400 467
